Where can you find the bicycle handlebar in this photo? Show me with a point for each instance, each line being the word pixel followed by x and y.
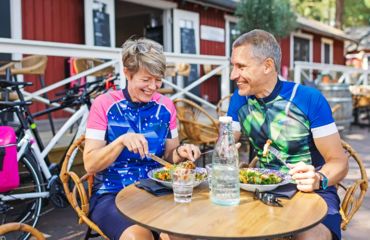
pixel 5 84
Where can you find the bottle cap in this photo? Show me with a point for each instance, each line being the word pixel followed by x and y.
pixel 225 119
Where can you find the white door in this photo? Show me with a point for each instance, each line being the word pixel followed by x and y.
pixel 185 20
pixel 186 40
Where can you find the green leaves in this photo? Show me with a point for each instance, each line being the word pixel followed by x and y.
pixel 274 16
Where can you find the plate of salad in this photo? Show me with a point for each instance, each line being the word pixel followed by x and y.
pixel 262 179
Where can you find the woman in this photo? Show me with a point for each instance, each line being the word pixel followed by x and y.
pixel 123 127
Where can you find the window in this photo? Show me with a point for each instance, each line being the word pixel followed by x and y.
pixel 301 49
pixel 326 51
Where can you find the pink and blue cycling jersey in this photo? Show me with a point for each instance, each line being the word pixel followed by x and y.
pixel 114 114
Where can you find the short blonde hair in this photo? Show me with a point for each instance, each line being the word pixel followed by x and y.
pixel 144 53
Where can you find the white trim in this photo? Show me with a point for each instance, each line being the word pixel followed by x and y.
pixel 174 133
pixel 16 23
pixel 95 134
pixel 228 20
pixel 167 29
pixel 231 18
pixel 301 35
pixel 324 131
pixel 330 42
pixel 187 15
pixel 162 4
pixel 89 27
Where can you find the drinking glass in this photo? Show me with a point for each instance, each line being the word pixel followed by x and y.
pixel 182 184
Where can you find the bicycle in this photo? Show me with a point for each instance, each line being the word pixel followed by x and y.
pixel 39 179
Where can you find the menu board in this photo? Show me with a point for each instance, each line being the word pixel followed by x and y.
pixel 188 46
pixel 101 27
pixel 5 26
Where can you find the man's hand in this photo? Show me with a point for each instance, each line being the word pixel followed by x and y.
pixel 305 176
pixel 135 143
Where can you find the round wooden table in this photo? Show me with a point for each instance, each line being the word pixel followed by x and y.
pixel 251 219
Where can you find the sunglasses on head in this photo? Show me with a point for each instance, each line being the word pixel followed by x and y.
pixel 144 48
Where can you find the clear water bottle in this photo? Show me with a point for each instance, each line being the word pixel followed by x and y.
pixel 225 167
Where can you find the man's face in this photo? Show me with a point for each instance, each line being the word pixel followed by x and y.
pixel 248 71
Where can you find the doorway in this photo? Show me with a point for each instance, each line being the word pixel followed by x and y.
pixel 139 21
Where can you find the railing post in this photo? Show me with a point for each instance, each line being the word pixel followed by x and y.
pixel 297 73
pixel 119 69
pixel 225 80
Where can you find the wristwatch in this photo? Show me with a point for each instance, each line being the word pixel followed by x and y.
pixel 323 181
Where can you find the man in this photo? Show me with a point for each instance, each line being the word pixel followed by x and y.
pixel 287 123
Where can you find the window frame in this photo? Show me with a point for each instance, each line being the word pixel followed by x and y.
pixel 330 42
pixel 300 35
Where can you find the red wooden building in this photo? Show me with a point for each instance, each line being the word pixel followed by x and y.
pixel 210 22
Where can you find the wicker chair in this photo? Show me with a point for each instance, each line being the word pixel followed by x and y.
pixel 20 227
pixel 351 192
pixel 83 64
pixel 196 126
pixel 353 188
pixel 34 64
pixel 219 108
pixel 77 196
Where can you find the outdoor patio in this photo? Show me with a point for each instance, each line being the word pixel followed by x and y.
pixel 63 223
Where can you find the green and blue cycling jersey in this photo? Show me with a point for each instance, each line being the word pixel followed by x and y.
pixel 292 116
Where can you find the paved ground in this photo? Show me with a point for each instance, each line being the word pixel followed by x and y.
pixel 63 224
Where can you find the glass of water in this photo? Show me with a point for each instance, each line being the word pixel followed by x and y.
pixel 209 174
pixel 182 184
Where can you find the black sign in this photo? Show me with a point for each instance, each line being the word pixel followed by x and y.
pixel 5 27
pixel 101 27
pixel 188 46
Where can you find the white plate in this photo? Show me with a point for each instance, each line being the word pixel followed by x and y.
pixel 266 187
pixel 168 184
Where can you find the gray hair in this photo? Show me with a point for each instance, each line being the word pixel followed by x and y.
pixel 144 53
pixel 264 45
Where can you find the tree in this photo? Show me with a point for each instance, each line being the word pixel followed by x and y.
pixel 356 13
pixel 339 13
pixel 274 16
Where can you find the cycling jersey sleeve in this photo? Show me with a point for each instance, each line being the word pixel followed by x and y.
pixel 236 102
pixel 97 121
pixel 318 112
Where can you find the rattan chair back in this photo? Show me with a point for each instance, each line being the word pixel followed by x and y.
pixel 34 64
pixel 20 227
pixel 353 188
pixel 78 196
pixel 196 125
pixel 83 64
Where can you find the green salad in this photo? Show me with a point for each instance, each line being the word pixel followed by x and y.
pixel 253 176
pixel 165 175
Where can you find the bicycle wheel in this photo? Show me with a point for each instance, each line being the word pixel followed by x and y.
pixel 24 210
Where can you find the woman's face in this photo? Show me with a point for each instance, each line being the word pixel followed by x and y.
pixel 142 85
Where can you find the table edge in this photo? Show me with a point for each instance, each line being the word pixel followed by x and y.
pixel 220 238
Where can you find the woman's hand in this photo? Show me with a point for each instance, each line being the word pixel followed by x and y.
pixel 305 176
pixel 188 151
pixel 135 143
